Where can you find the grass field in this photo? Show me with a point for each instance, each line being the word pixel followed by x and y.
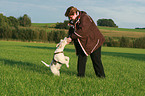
pixel 22 73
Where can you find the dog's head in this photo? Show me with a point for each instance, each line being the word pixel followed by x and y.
pixel 62 42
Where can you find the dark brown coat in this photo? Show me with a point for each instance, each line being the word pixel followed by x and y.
pixel 87 34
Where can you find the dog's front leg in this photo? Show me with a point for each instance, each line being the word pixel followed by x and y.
pixel 67 60
pixel 64 61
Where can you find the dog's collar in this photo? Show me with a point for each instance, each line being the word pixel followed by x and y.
pixel 58 52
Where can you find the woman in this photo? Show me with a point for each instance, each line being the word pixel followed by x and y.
pixel 87 40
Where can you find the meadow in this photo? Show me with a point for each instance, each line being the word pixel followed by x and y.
pixel 23 74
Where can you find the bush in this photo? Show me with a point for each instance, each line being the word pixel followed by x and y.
pixel 115 44
pixel 106 22
pixel 139 43
pixel 24 34
pixel 5 31
pixel 124 42
pixel 63 25
pixel 51 36
pixel 56 36
pixel 110 42
pixel 43 35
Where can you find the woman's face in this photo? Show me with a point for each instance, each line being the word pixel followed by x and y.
pixel 73 17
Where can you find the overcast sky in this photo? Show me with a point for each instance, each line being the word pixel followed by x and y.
pixel 125 13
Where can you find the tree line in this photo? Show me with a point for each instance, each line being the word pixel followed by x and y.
pixel 11 21
pixel 12 28
pixel 100 22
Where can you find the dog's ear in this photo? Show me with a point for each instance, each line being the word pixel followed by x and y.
pixel 65 38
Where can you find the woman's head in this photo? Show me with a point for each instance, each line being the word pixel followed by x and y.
pixel 71 12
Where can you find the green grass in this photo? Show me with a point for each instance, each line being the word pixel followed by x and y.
pixel 22 73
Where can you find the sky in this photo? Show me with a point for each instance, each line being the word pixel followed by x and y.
pixel 125 13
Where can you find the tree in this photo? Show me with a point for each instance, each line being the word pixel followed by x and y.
pixel 25 21
pixel 3 19
pixel 63 25
pixel 5 30
pixel 106 22
pixel 13 21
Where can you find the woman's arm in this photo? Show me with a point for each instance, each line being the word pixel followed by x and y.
pixel 85 23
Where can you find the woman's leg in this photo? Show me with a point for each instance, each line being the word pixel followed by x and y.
pixel 97 63
pixel 82 59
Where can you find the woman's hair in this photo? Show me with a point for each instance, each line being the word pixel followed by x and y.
pixel 70 11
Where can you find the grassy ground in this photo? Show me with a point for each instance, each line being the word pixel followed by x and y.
pixel 22 73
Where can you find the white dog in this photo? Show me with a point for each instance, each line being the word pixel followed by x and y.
pixel 58 58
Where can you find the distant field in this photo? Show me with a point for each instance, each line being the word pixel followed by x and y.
pixel 47 26
pixel 22 73
pixel 121 29
pixel 43 24
pixel 106 31
pixel 125 33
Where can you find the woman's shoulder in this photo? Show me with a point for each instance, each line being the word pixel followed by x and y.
pixel 85 16
pixel 83 13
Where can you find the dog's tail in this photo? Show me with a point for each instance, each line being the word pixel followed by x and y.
pixel 45 64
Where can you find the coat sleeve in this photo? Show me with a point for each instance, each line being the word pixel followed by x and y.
pixel 71 30
pixel 82 29
pixel 71 33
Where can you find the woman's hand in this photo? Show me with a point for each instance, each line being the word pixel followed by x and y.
pixel 69 40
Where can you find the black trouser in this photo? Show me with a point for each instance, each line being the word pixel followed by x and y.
pixel 96 60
